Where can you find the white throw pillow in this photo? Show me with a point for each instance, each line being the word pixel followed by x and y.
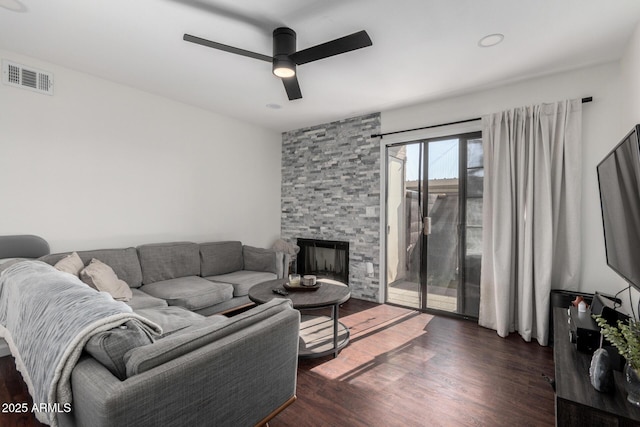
pixel 71 264
pixel 100 276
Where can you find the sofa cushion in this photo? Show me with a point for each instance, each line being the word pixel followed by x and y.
pixel 109 347
pixel 124 262
pixel 258 259
pixel 140 300
pixel 191 292
pixel 220 258
pixel 164 261
pixel 100 276
pixel 171 319
pixel 71 264
pixel 242 280
pixel 141 359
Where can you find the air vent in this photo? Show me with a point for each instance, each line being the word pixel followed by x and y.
pixel 27 77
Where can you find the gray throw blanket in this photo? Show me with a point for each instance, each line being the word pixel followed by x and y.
pixel 46 317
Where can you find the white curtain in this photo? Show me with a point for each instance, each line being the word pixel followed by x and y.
pixel 531 218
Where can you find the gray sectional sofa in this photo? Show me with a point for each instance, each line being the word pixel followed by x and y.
pixel 238 371
pixel 206 278
pixel 206 368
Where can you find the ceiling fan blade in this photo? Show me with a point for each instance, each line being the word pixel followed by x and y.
pixel 226 48
pixel 292 87
pixel 335 47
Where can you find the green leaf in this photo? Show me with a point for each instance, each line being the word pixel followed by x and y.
pixel 625 337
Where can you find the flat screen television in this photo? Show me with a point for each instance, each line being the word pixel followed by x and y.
pixel 619 182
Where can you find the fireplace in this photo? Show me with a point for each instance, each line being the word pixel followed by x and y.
pixel 328 259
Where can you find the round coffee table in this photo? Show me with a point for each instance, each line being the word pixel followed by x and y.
pixel 319 335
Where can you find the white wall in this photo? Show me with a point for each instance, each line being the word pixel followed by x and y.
pixel 630 66
pixel 102 165
pixel 630 114
pixel 602 128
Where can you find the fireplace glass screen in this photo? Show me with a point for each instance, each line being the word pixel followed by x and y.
pixel 326 259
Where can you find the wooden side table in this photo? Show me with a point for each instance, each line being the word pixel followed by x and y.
pixel 319 335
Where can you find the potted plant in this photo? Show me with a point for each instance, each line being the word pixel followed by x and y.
pixel 626 338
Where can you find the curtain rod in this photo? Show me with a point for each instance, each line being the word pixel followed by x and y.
pixel 382 135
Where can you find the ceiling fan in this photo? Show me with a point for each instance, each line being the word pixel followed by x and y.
pixel 285 58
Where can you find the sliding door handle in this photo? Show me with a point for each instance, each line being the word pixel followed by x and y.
pixel 426 225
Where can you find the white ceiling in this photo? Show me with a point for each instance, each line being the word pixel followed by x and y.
pixel 422 49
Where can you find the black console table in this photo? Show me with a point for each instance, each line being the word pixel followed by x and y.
pixel 577 402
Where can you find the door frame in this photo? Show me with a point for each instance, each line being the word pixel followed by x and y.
pixel 407 138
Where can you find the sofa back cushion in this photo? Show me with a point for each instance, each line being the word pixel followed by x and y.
pixel 220 258
pixel 164 261
pixel 124 262
pixel 259 259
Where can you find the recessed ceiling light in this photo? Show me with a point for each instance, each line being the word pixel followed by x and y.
pixel 491 40
pixel 13 5
pixel 274 106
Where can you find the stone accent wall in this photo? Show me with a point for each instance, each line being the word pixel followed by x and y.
pixel 331 191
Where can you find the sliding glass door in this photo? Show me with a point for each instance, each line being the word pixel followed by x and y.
pixel 434 224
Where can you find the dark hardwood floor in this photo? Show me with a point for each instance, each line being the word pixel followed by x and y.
pixel 14 390
pixel 402 368
pixel 405 368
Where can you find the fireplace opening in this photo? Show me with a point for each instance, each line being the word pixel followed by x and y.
pixel 326 259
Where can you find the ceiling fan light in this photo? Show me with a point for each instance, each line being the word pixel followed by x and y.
pixel 284 72
pixel 283 68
